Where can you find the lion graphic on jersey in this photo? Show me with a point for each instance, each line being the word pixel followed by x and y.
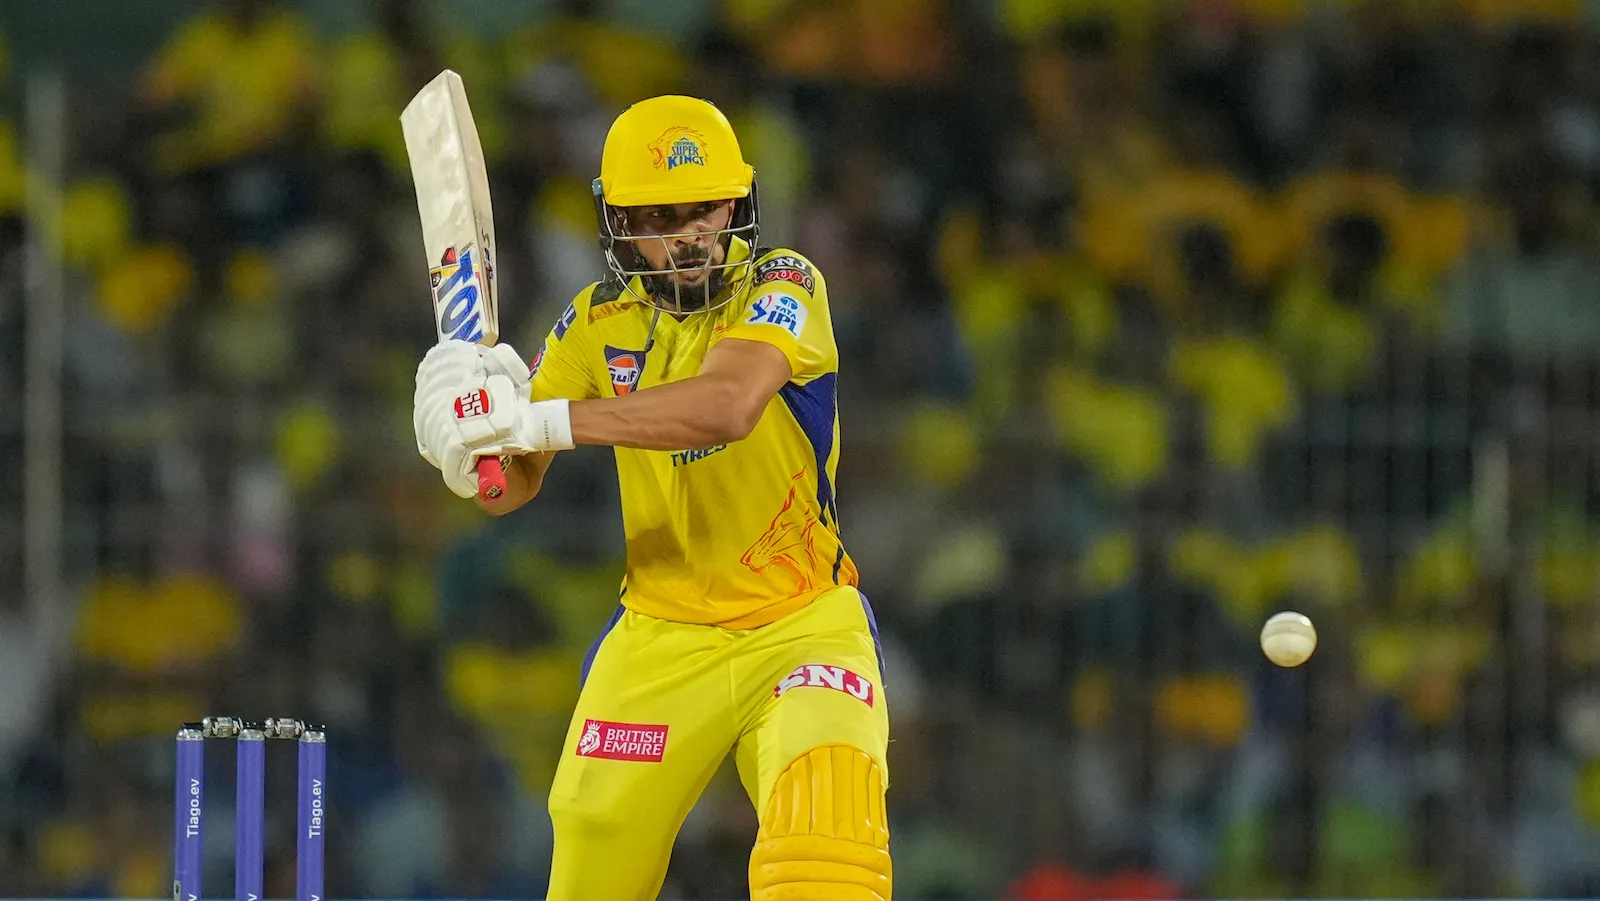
pixel 787 542
pixel 590 742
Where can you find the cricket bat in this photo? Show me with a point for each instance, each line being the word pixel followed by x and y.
pixel 452 183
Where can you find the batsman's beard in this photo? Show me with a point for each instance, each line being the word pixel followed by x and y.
pixel 672 292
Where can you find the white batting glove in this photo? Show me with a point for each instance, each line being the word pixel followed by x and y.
pixel 503 359
pixel 491 416
pixel 444 368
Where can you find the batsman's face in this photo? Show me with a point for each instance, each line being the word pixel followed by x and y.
pixel 682 237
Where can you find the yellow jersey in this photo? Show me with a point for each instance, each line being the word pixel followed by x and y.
pixel 739 535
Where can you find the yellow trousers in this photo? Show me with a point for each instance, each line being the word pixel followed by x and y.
pixel 664 703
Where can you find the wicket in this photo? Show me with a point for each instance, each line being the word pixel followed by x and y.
pixel 249 841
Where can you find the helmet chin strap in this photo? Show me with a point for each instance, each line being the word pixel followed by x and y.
pixel 650 336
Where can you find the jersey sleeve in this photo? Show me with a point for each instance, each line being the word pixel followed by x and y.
pixel 787 307
pixel 561 370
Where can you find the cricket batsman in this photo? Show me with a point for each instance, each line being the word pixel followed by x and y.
pixel 709 363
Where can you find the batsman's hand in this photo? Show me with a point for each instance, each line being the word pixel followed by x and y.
pixel 503 359
pixel 492 417
pixel 472 401
pixel 483 420
pixel 444 368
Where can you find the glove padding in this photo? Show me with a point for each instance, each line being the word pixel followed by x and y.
pixel 443 370
pixel 441 374
pixel 487 416
pixel 472 401
pixel 503 359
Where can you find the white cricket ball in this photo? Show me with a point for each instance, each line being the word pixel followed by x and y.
pixel 1288 639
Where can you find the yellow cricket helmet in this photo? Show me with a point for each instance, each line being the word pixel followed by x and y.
pixel 671 150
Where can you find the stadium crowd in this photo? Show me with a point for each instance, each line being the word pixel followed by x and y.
pixel 1157 316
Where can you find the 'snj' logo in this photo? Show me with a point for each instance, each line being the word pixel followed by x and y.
pixel 816 675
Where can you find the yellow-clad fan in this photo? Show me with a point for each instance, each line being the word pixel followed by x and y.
pixel 710 365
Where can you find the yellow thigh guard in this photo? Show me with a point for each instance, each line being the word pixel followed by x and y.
pixel 824 835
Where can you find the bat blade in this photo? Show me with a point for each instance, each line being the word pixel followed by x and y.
pixel 452 184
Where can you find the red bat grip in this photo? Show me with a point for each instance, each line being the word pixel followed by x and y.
pixel 491 478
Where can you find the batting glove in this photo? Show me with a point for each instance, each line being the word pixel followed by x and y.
pixel 503 359
pixel 445 367
pixel 492 417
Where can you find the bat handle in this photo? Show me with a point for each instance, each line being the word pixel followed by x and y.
pixel 491 478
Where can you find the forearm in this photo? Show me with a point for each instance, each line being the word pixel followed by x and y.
pixel 696 412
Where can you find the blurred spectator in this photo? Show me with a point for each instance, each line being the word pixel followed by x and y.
pixel 1243 390
pixel 1524 295
pixel 1326 321
pixel 238 78
pixel 12 174
pixel 452 830
pixel 512 676
pixel 376 70
pixel 143 643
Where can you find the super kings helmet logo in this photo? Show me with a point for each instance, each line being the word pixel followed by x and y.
pixel 590 742
pixel 457 290
pixel 678 146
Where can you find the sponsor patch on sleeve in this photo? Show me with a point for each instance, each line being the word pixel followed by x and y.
pixel 626 367
pixel 781 310
pixel 789 269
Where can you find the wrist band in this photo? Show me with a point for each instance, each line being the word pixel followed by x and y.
pixel 551 425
